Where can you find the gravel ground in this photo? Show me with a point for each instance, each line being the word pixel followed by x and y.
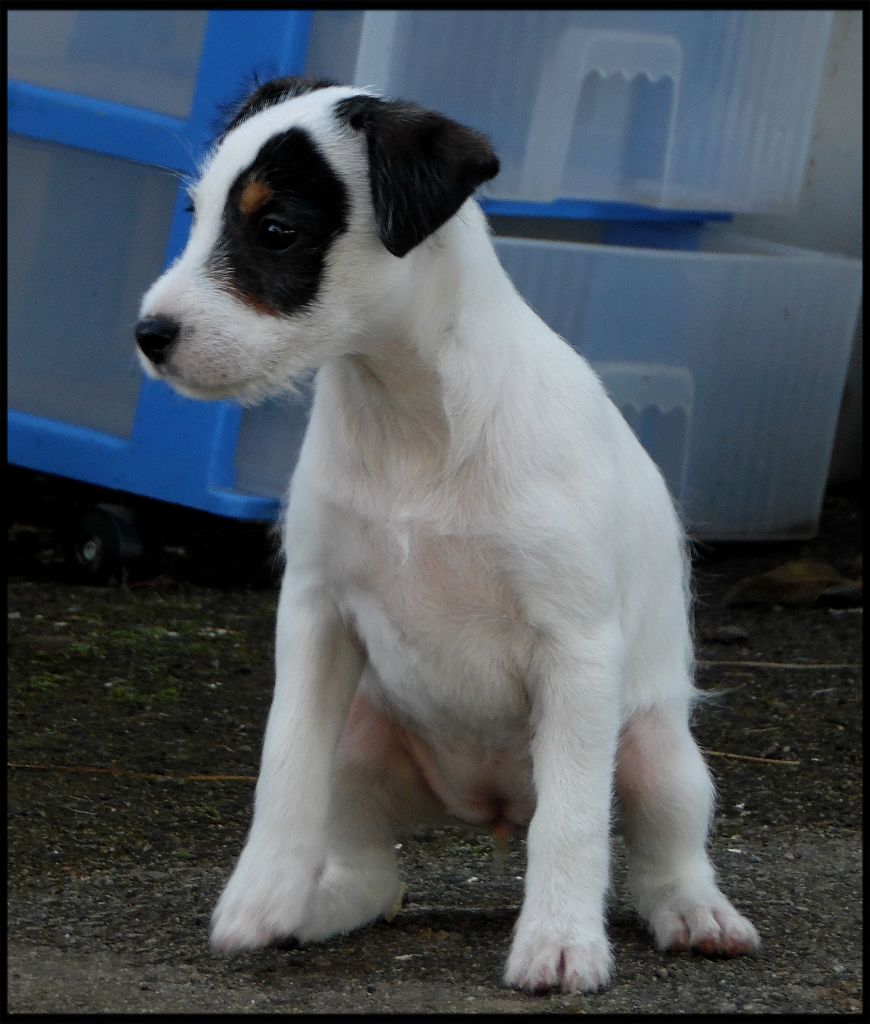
pixel 165 686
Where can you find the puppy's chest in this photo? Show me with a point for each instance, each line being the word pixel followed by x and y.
pixel 442 624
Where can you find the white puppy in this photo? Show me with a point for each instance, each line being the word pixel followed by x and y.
pixel 484 615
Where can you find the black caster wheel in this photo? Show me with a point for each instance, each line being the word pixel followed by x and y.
pixel 111 542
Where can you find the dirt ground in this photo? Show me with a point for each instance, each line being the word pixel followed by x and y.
pixel 135 720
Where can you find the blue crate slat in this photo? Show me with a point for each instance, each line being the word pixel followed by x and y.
pixel 78 453
pixel 240 42
pixel 578 209
pixel 62 448
pixel 182 451
pixel 237 44
pixel 684 236
pixel 113 129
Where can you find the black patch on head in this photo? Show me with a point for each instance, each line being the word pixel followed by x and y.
pixel 422 166
pixel 257 96
pixel 303 193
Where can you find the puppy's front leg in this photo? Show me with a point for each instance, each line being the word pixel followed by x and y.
pixel 559 939
pixel 318 664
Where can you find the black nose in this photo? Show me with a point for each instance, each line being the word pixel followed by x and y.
pixel 155 334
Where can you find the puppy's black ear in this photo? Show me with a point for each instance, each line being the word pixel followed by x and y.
pixel 422 166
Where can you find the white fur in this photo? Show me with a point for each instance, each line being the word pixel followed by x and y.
pixel 483 559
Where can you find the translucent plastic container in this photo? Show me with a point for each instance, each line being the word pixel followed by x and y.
pixel 145 59
pixel 657 402
pixel 270 437
pixel 88 234
pixel 701 110
pixel 728 363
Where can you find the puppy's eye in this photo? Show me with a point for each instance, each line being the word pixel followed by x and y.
pixel 275 234
pixel 190 209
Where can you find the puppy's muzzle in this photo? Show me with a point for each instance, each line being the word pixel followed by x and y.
pixel 154 335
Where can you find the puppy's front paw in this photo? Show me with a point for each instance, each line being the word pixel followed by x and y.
pixel 264 901
pixel 539 962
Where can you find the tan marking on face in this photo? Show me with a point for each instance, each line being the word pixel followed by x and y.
pixel 254 195
pixel 251 302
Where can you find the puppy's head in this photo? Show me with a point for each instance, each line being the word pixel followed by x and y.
pixel 307 204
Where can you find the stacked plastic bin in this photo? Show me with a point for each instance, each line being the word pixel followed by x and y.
pixel 627 138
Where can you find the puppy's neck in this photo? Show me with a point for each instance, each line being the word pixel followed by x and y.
pixel 395 395
pixel 425 380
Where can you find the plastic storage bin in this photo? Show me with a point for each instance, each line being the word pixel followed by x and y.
pixel 728 363
pixel 701 110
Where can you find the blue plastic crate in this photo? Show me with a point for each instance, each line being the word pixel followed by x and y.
pixel 79 406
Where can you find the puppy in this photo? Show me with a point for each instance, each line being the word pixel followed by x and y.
pixel 484 616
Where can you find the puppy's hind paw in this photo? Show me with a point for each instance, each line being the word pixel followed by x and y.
pixel 345 898
pixel 713 928
pixel 541 966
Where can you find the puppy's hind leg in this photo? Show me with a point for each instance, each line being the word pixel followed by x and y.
pixel 375 788
pixel 666 799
